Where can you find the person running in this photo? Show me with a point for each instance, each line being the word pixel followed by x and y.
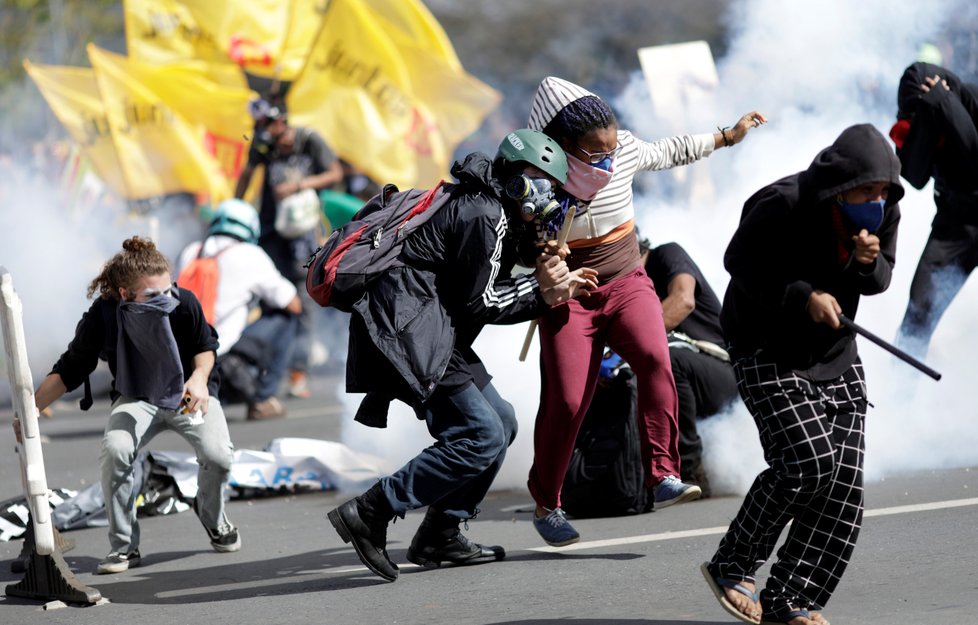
pixel 456 280
pixel 161 353
pixel 602 162
pixel 807 248
pixel 936 134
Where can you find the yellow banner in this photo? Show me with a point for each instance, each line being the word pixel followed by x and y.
pixel 161 152
pixel 415 20
pixel 163 31
pixel 386 101
pixel 73 95
pixel 267 38
pixel 190 90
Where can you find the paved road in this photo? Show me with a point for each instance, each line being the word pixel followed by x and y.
pixel 914 564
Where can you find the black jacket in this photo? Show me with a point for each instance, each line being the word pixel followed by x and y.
pixel 942 140
pixel 414 329
pixel 789 243
pixel 97 333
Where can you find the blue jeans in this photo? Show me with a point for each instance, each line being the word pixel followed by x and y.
pixel 278 331
pixel 472 430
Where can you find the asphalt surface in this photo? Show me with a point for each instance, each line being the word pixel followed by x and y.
pixel 914 563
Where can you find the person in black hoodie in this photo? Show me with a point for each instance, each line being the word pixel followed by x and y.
pixel 411 339
pixel 807 248
pixel 161 351
pixel 936 134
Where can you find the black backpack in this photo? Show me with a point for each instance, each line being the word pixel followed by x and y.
pixel 340 271
pixel 605 476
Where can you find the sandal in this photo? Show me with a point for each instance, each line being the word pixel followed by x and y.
pixel 787 616
pixel 718 584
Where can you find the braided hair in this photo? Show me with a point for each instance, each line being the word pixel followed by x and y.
pixel 139 257
pixel 579 118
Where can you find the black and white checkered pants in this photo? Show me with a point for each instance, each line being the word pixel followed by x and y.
pixel 812 436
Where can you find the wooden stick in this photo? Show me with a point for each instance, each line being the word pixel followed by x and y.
pixel 561 240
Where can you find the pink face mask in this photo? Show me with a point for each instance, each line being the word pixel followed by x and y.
pixel 583 180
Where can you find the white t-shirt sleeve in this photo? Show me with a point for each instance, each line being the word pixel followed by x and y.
pixel 270 286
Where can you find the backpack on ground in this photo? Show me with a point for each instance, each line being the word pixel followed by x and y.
pixel 201 276
pixel 340 271
pixel 605 476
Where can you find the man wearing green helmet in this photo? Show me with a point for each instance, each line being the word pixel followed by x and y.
pixel 456 280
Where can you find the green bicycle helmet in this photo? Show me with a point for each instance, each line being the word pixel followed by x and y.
pixel 537 149
pixel 236 218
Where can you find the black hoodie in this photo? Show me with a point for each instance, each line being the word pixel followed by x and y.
pixel 942 140
pixel 413 329
pixel 788 244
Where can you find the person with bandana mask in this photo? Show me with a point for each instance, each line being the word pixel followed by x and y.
pixel 602 162
pixel 411 337
pixel 807 248
pixel 160 351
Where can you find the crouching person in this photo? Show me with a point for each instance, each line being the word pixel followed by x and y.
pixel 456 280
pixel 160 351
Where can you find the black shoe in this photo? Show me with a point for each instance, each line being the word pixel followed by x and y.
pixel 225 538
pixel 357 522
pixel 439 539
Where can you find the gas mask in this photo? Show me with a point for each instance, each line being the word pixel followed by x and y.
pixel 535 195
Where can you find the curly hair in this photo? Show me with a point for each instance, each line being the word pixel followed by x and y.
pixel 139 257
pixel 579 118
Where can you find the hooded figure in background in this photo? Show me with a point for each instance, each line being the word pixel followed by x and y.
pixel 936 135
pixel 807 248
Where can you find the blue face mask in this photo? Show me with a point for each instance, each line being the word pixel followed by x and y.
pixel 868 215
pixel 605 163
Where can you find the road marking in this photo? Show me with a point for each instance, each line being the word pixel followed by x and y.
pixel 923 507
pixel 307 576
pixel 708 531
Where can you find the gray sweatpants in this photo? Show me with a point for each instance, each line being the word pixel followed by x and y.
pixel 132 425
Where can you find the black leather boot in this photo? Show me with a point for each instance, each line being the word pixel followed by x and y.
pixel 439 539
pixel 363 521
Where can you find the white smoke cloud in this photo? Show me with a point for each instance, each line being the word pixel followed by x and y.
pixel 53 250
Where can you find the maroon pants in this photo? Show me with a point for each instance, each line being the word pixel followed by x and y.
pixel 626 315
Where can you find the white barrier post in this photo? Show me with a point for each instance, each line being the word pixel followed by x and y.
pixel 47 574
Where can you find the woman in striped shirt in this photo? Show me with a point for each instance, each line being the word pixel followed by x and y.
pixel 602 162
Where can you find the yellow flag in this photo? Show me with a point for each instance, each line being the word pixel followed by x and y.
pixel 218 106
pixel 267 38
pixel 386 101
pixel 73 96
pixel 415 20
pixel 162 31
pixel 160 151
